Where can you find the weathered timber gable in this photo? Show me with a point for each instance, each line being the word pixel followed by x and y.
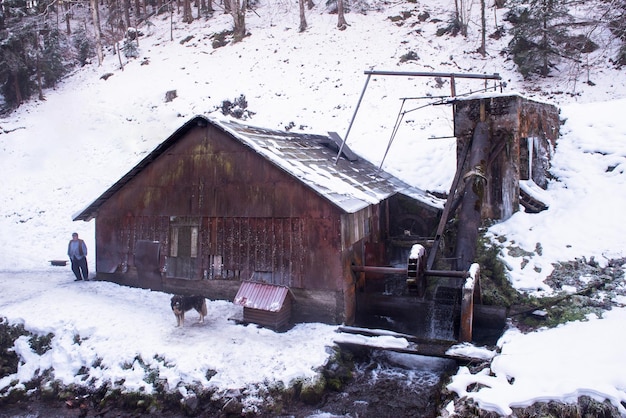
pixel 522 135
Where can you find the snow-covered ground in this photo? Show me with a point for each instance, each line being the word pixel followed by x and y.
pixel 123 334
pixel 59 154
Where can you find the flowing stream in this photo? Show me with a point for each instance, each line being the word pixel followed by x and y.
pixel 388 384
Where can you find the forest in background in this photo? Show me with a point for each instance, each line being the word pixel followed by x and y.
pixel 41 41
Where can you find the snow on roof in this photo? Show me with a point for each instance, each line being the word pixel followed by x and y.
pixel 349 183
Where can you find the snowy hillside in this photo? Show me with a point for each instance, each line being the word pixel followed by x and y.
pixel 91 130
pixel 59 154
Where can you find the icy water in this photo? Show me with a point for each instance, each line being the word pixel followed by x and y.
pixel 388 384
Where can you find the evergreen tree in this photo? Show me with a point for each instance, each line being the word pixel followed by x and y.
pixel 130 48
pixel 540 30
pixel 84 47
pixel 14 9
pixel 53 64
pixel 18 62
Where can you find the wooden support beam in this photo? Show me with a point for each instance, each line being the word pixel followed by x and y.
pixel 418 346
pixel 470 213
pixel 471 295
pixel 448 207
pixel 402 270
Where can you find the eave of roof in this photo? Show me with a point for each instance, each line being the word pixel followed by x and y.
pixel 349 185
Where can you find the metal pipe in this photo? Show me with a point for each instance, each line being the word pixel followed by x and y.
pixel 401 270
pixel 382 270
pixel 494 76
pixel 352 121
pixel 446 273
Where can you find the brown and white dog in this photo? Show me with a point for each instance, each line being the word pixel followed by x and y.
pixel 181 304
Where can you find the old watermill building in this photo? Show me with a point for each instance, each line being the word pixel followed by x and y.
pixel 219 203
pixel 297 228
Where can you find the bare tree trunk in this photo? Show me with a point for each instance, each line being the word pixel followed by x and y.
pixel 187 14
pixel 544 43
pixel 68 28
pixel 119 55
pixel 96 23
pixel 16 86
pixel 127 13
pixel 303 24
pixel 341 19
pixel 238 11
pixel 137 8
pixel 483 24
pixel 39 86
pixel 459 7
pixel 464 19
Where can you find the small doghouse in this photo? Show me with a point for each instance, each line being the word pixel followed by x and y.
pixel 265 304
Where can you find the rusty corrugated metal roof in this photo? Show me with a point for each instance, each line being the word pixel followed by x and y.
pixel 351 183
pixel 262 296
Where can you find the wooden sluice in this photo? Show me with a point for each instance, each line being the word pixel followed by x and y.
pixel 449 310
pixel 357 339
pixel 504 144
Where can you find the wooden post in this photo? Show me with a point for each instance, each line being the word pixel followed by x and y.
pixel 416 269
pixel 471 295
pixel 445 215
pixel 452 86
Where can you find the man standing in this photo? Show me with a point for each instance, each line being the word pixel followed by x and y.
pixel 77 251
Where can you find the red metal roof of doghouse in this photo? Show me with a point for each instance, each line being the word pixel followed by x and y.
pixel 262 296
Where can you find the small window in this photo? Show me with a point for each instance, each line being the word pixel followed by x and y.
pixel 194 242
pixel 174 243
pixel 215 267
pixel 184 241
